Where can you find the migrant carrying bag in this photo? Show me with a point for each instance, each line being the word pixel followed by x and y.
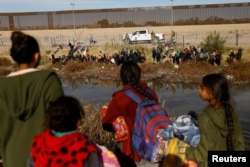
pixel 150 117
pixel 119 125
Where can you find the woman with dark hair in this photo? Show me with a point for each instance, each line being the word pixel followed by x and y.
pixel 123 105
pixel 25 95
pixel 219 124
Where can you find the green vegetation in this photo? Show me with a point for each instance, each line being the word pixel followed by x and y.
pixel 213 41
pixel 48 52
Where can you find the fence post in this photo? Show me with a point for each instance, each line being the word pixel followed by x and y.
pixel 175 38
pixel 237 38
pixel 183 40
pixel 112 41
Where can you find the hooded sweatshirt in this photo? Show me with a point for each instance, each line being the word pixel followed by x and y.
pixel 70 150
pixel 213 128
pixel 24 97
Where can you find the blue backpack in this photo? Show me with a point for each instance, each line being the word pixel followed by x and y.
pixel 150 117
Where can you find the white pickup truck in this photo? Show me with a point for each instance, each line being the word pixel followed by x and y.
pixel 140 36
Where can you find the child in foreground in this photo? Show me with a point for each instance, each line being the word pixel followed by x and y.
pixel 61 144
pixel 219 123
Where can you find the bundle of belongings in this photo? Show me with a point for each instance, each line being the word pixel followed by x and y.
pixel 183 132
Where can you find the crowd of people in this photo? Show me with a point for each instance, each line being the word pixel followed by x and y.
pixel 81 54
pixel 39 123
pixel 159 54
pixel 194 53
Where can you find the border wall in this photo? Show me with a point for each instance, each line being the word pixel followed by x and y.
pixel 127 17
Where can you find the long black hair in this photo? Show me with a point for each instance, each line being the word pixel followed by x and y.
pixel 130 73
pixel 218 86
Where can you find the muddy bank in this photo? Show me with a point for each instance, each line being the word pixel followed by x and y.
pixel 190 72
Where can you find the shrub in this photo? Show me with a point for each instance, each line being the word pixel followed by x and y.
pixel 48 52
pixel 213 41
pixel 44 60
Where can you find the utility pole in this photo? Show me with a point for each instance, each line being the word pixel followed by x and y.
pixel 172 16
pixel 73 16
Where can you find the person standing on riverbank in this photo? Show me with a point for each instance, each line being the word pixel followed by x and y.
pixel 219 123
pixel 25 95
pixel 123 105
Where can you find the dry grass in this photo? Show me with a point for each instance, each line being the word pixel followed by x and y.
pixel 73 67
pixel 192 71
pixel 150 67
pixel 239 70
pixel 92 127
pixel 92 69
pixel 4 61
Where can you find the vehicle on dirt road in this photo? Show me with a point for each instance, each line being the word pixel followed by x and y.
pixel 143 36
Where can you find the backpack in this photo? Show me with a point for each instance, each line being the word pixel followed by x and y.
pixel 150 117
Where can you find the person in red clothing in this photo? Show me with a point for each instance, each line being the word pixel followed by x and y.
pixel 61 144
pixel 122 105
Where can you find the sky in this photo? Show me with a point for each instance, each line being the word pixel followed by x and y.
pixel 12 6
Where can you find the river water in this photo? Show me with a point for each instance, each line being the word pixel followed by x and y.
pixel 177 98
